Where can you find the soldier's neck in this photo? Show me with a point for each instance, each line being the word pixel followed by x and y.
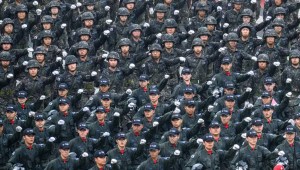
pixel 295 66
pixel 270 45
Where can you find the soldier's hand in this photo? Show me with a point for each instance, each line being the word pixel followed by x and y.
pixel 19 128
pixel 146 25
pixel 253 1
pixel 236 147
pixel 250 73
pixel 243 135
pixel 281 153
pixel 155 123
pixel 289 94
pixel 200 121
pixel 73 6
pixel 210 108
pixel 151 11
pixel 106 32
pixel 55 72
pixel 276 63
pixel 24 26
pixel 38 11
pixel 143 141
pixel 84 154
pixel 247 119
pixel 64 53
pixel 94 73
pixel 63 25
pixel 131 105
pixel 131 66
pixel 61 122
pixel 35 3
pixel 182 59
pixel 104 55
pixel 107 8
pixel 25 63
pixel 158 35
pixel 116 114
pixel 199 141
pixel 222 49
pixel 268 18
pixel 176 12
pixel 292 122
pixel 43 97
pixel 219 8
pixel 254 58
pixel 128 91
pixel 177 152
pixel 249 105
pixel 78 4
pixel 108 21
pixel 9 75
pixel 177 110
pixel 191 32
pixel 113 161
pixel 167 76
pixel 177 103
pixel 105 134
pixel 288 80
pixel 248 89
pixel 209 83
pixel 225 25
pixel 30 50
pixel 31 114
pixel 215 93
pixel 58 59
pixel 51 139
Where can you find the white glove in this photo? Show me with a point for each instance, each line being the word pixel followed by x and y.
pixel 116 114
pixel 284 136
pixel 225 36
pixel 0 1
pixel 18 128
pixel 31 113
pixel 107 8
pixel 288 80
pixel 254 58
pixel 78 4
pixel 128 91
pixel 236 147
pixel 253 2
pixel 222 49
pixel 55 72
pixel 154 124
pixel 146 25
pixel 143 141
pixel 210 108
pixel 276 63
pixel 106 32
pixel 177 110
pixel 247 119
pixel 38 11
pixel 131 66
pixel 85 109
pixel 249 105
pixel 191 32
pixel 43 97
pixel 250 73
pixel 58 59
pixel 177 103
pixel 35 3
pixel 131 105
pixel 51 139
pixel 64 53
pixel 63 25
pixel 182 59
pixel 268 18
pixel 105 134
pixel 113 161
pixel 209 83
pixel 9 76
pixel 225 25
pixel 199 141
pixel 73 6
pixel 289 94
pixel 84 154
pixel 25 63
pixel 219 8
pixel 151 11
pixel 167 76
pixel 292 122
pixel 61 122
pixel 215 93
pixel 281 153
pixel 1 21
pixel 104 55
pixel 248 89
pixel 30 49
pixel 94 73
pixel 158 35
pixel 108 21
pixel 200 120
pixel 24 26
pixel 176 12
pixel 177 152
pixel 244 135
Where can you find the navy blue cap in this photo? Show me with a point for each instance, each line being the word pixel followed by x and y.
pixel 230 97
pixel 103 82
pixel 63 86
pixel 143 77
pixel 229 85
pixel 11 108
pixel 226 60
pixel 214 124
pixel 176 116
pixel 154 146
pixel 257 122
pixel 28 131
pixel 269 80
pixel 148 107
pixel 137 122
pixel 267 107
pixel 105 96
pixel 208 138
pixel 188 90
pixel 225 111
pixel 22 94
pixel 190 103
pixel 186 70
pixel 121 135
pixel 1 121
pixel 99 153
pixel 251 133
pixel 82 126
pixel 39 117
pixel 63 101
pixel 297 115
pixel 265 94
pixel 64 145
pixel 290 129
pixel 174 131
pixel 100 109
pixel 154 90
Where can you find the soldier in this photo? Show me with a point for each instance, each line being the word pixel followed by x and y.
pixel 199 19
pixel 100 162
pixel 155 25
pixel 232 17
pixel 47 42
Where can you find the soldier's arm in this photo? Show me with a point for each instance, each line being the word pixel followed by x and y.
pixel 281 107
pixel 242 98
pixel 242 77
pixel 12 139
pixel 78 115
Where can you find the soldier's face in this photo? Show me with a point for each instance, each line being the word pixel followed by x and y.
pixel 188 96
pixel 229 104
pixel 208 145
pixel 6 47
pixel 225 119
pixel 46 26
pixel 154 97
pixel 106 103
pixel 237 6
pixel 84 37
pixel 22 100
pixel 168 1
pixel 125 48
pixel 176 122
pixel 295 60
pixel 190 110
pixel 62 92
pixel 215 130
pixel 8 28
pixel 266 100
pixel 186 76
pixel 197 49
pixel 54 10
pixel 258 128
pixel 210 27
pixel 226 67
pixel 1 129
pixel 144 83
pixel 33 71
pixel 47 41
pixel 28 139
pixel 100 116
pixel 252 140
pixel 229 91
pixel 280 16
pixel 168 45
pixel 130 6
pixel 90 7
pixel 173 139
pixel 5 63
pixel 149 113
pixel 100 160
pixel 39 123
pixel 204 38
pixel 278 29
pixel 154 153
pixel 290 136
pixel 278 2
pixel 232 44
pixel 170 30
pixel 88 22
pixel 262 65
pixel 136 33
pixel 83 133
pixel 121 142
pixel 63 107
pixel 270 40
pixel 297 122
pixel 82 52
pixel 137 127
pixel 10 115
pixel 269 87
pixel 155 54
pixel 123 18
pixel 112 63
pixel 40 57
pixel 268 113
pixel 201 13
pixel 245 32
pixel 64 153
pixel 21 15
pixel 72 67
pixel 246 19
pixel 104 88
pixel 160 15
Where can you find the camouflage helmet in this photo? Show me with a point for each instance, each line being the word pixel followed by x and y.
pixel 7 21
pixel 6 39
pixel 71 59
pixel 123 12
pixel 278 22
pixel 33 64
pixel 128 1
pixel 160 7
pixel 210 20
pixel 47 19
pixel 134 27
pixel 113 55
pixel 89 2
pixel 46 33
pixel 244 25
pixel 279 10
pixel 232 36
pixel 263 57
pixel 237 1
pixel 54 4
pixel 197 42
pixel 40 50
pixel 170 23
pixel 155 47
pixel 203 31
pixel 270 33
pixel 295 53
pixel 84 31
pixel 83 45
pixel 5 56
pixel 167 38
pixel 247 12
pixel 21 8
pixel 124 41
pixel 87 16
pixel 200 6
